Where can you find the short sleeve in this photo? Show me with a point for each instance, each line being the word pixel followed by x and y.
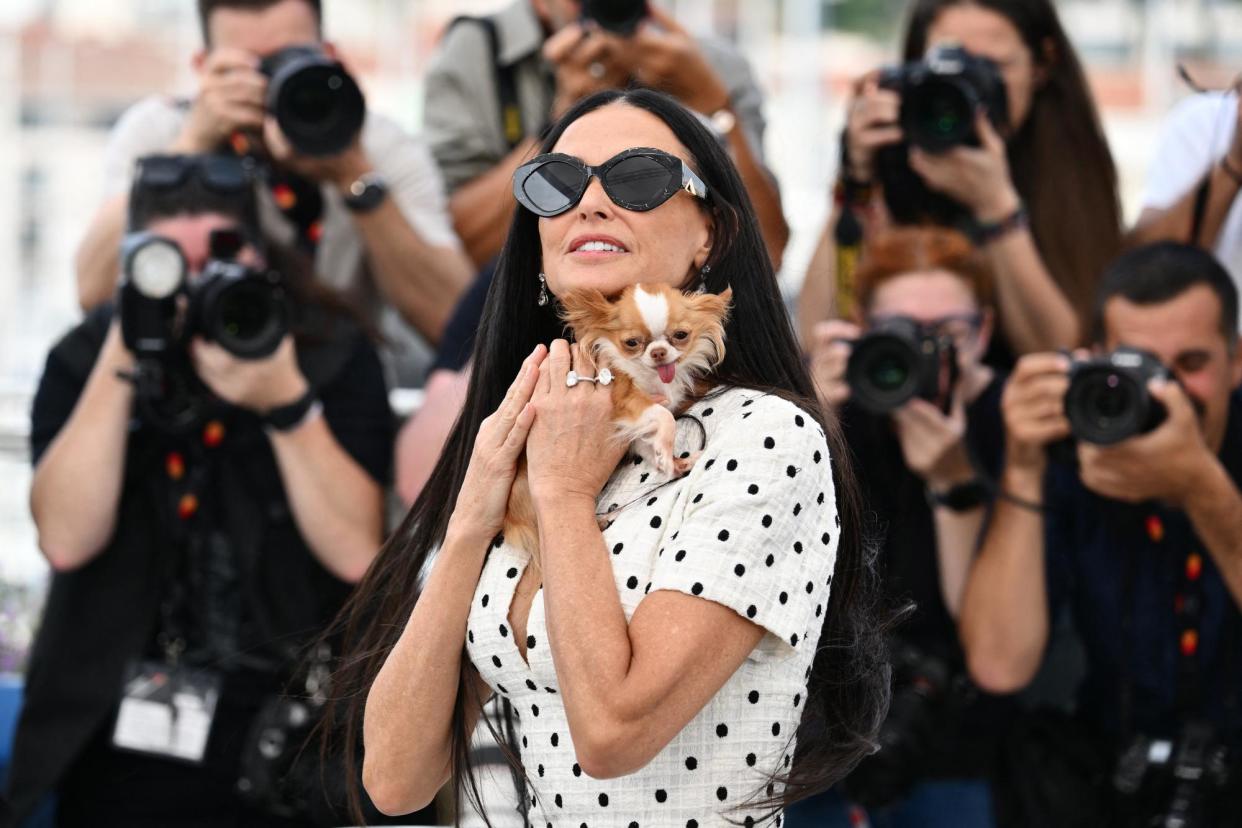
pixel 745 97
pixel 407 166
pixel 760 529
pixel 355 406
pixel 147 127
pixel 1197 132
pixel 68 367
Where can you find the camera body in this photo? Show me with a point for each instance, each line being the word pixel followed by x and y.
pixel 1108 401
pixel 317 104
pixel 897 360
pixel 923 686
pixel 939 97
pixel 1182 782
pixel 621 17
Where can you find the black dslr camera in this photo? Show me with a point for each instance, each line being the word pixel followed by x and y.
pixel 1185 782
pixel 897 360
pixel 317 104
pixel 923 686
pixel 242 309
pixel 1108 400
pixel 620 17
pixel 939 97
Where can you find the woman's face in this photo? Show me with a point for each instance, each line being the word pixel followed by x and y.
pixel 990 34
pixel 669 244
pixel 938 299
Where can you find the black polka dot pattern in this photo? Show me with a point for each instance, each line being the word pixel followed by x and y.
pixel 738 530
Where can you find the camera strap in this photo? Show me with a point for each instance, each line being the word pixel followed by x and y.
pixel 511 124
pixel 1200 208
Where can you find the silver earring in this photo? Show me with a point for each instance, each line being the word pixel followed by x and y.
pixel 703 279
pixel 543 290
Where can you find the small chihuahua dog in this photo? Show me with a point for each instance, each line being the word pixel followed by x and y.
pixel 660 345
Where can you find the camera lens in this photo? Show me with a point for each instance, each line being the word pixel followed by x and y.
pixel 883 371
pixel 940 115
pixel 318 105
pixel 888 372
pixel 249 318
pixel 1106 406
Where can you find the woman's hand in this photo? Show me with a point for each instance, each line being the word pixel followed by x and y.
pixel 934 443
pixel 977 177
pixel 484 496
pixel 1033 405
pixel 830 356
pixel 572 449
pixel 871 123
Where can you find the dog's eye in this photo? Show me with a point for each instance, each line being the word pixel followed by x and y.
pixel 680 336
pixel 631 343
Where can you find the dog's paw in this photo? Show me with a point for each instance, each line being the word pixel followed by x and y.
pixel 683 465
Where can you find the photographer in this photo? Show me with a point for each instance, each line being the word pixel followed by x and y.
pixel 919 462
pixel 1195 178
pixel 1142 541
pixel 204 514
pixel 497 82
pixel 373 214
pixel 1046 215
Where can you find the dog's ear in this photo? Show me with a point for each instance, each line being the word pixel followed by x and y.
pixel 716 304
pixel 584 309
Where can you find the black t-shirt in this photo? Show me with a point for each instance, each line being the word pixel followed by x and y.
pixel 903 521
pixel 252 596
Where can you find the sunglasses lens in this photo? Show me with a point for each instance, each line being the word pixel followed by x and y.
pixel 553 187
pixel 162 172
pixel 224 173
pixel 641 182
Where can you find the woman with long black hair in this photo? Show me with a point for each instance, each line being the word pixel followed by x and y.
pixel 664 669
pixel 1038 193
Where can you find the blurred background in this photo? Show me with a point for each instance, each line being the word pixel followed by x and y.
pixel 68 68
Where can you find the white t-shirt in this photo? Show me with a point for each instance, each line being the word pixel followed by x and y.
pixel 1197 135
pixel 752 527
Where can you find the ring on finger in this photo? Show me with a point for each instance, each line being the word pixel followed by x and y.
pixel 573 378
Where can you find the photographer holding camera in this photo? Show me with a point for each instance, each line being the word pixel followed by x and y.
pixel 975 131
pixel 208 463
pixel 921 413
pixel 346 185
pixel 498 81
pixel 1142 542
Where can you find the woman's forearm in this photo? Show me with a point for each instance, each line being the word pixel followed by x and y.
pixel 76 490
pixel 957 536
pixel 409 709
pixel 592 660
pixel 1035 313
pixel 337 506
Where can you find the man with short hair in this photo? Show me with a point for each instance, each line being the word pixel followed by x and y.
pixel 1142 541
pixel 374 215
pixel 497 82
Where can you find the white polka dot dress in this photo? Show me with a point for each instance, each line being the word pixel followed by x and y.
pixel 754 527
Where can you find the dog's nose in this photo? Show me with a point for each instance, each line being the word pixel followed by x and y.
pixel 658 354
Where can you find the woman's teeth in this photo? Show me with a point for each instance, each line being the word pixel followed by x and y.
pixel 600 247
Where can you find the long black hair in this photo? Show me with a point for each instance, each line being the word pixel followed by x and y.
pixel 1071 195
pixel 848 687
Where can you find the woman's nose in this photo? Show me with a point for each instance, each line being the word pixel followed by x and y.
pixel 595 202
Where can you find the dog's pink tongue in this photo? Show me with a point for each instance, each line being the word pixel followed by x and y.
pixel 666 372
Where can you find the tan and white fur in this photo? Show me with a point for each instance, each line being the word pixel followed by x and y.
pixel 661 346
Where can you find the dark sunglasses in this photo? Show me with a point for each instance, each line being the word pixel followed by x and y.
pixel 637 179
pixel 222 173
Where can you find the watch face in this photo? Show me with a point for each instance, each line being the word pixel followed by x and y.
pixel 724 121
pixel 366 193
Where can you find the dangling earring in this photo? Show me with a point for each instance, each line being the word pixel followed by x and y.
pixel 543 290
pixel 707 269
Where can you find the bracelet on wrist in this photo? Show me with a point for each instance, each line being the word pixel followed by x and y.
pixel 287 418
pixel 1021 502
pixel 983 233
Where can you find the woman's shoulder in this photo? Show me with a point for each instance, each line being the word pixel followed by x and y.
pixel 737 410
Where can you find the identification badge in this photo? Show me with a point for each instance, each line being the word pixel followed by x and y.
pixel 166 712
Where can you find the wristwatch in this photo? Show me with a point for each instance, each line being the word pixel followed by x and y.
pixel 960 498
pixel 289 417
pixel 366 193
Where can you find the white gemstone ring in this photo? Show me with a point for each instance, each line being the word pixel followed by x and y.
pixel 573 378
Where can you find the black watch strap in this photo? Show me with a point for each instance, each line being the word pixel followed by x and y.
pixel 287 417
pixel 960 498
